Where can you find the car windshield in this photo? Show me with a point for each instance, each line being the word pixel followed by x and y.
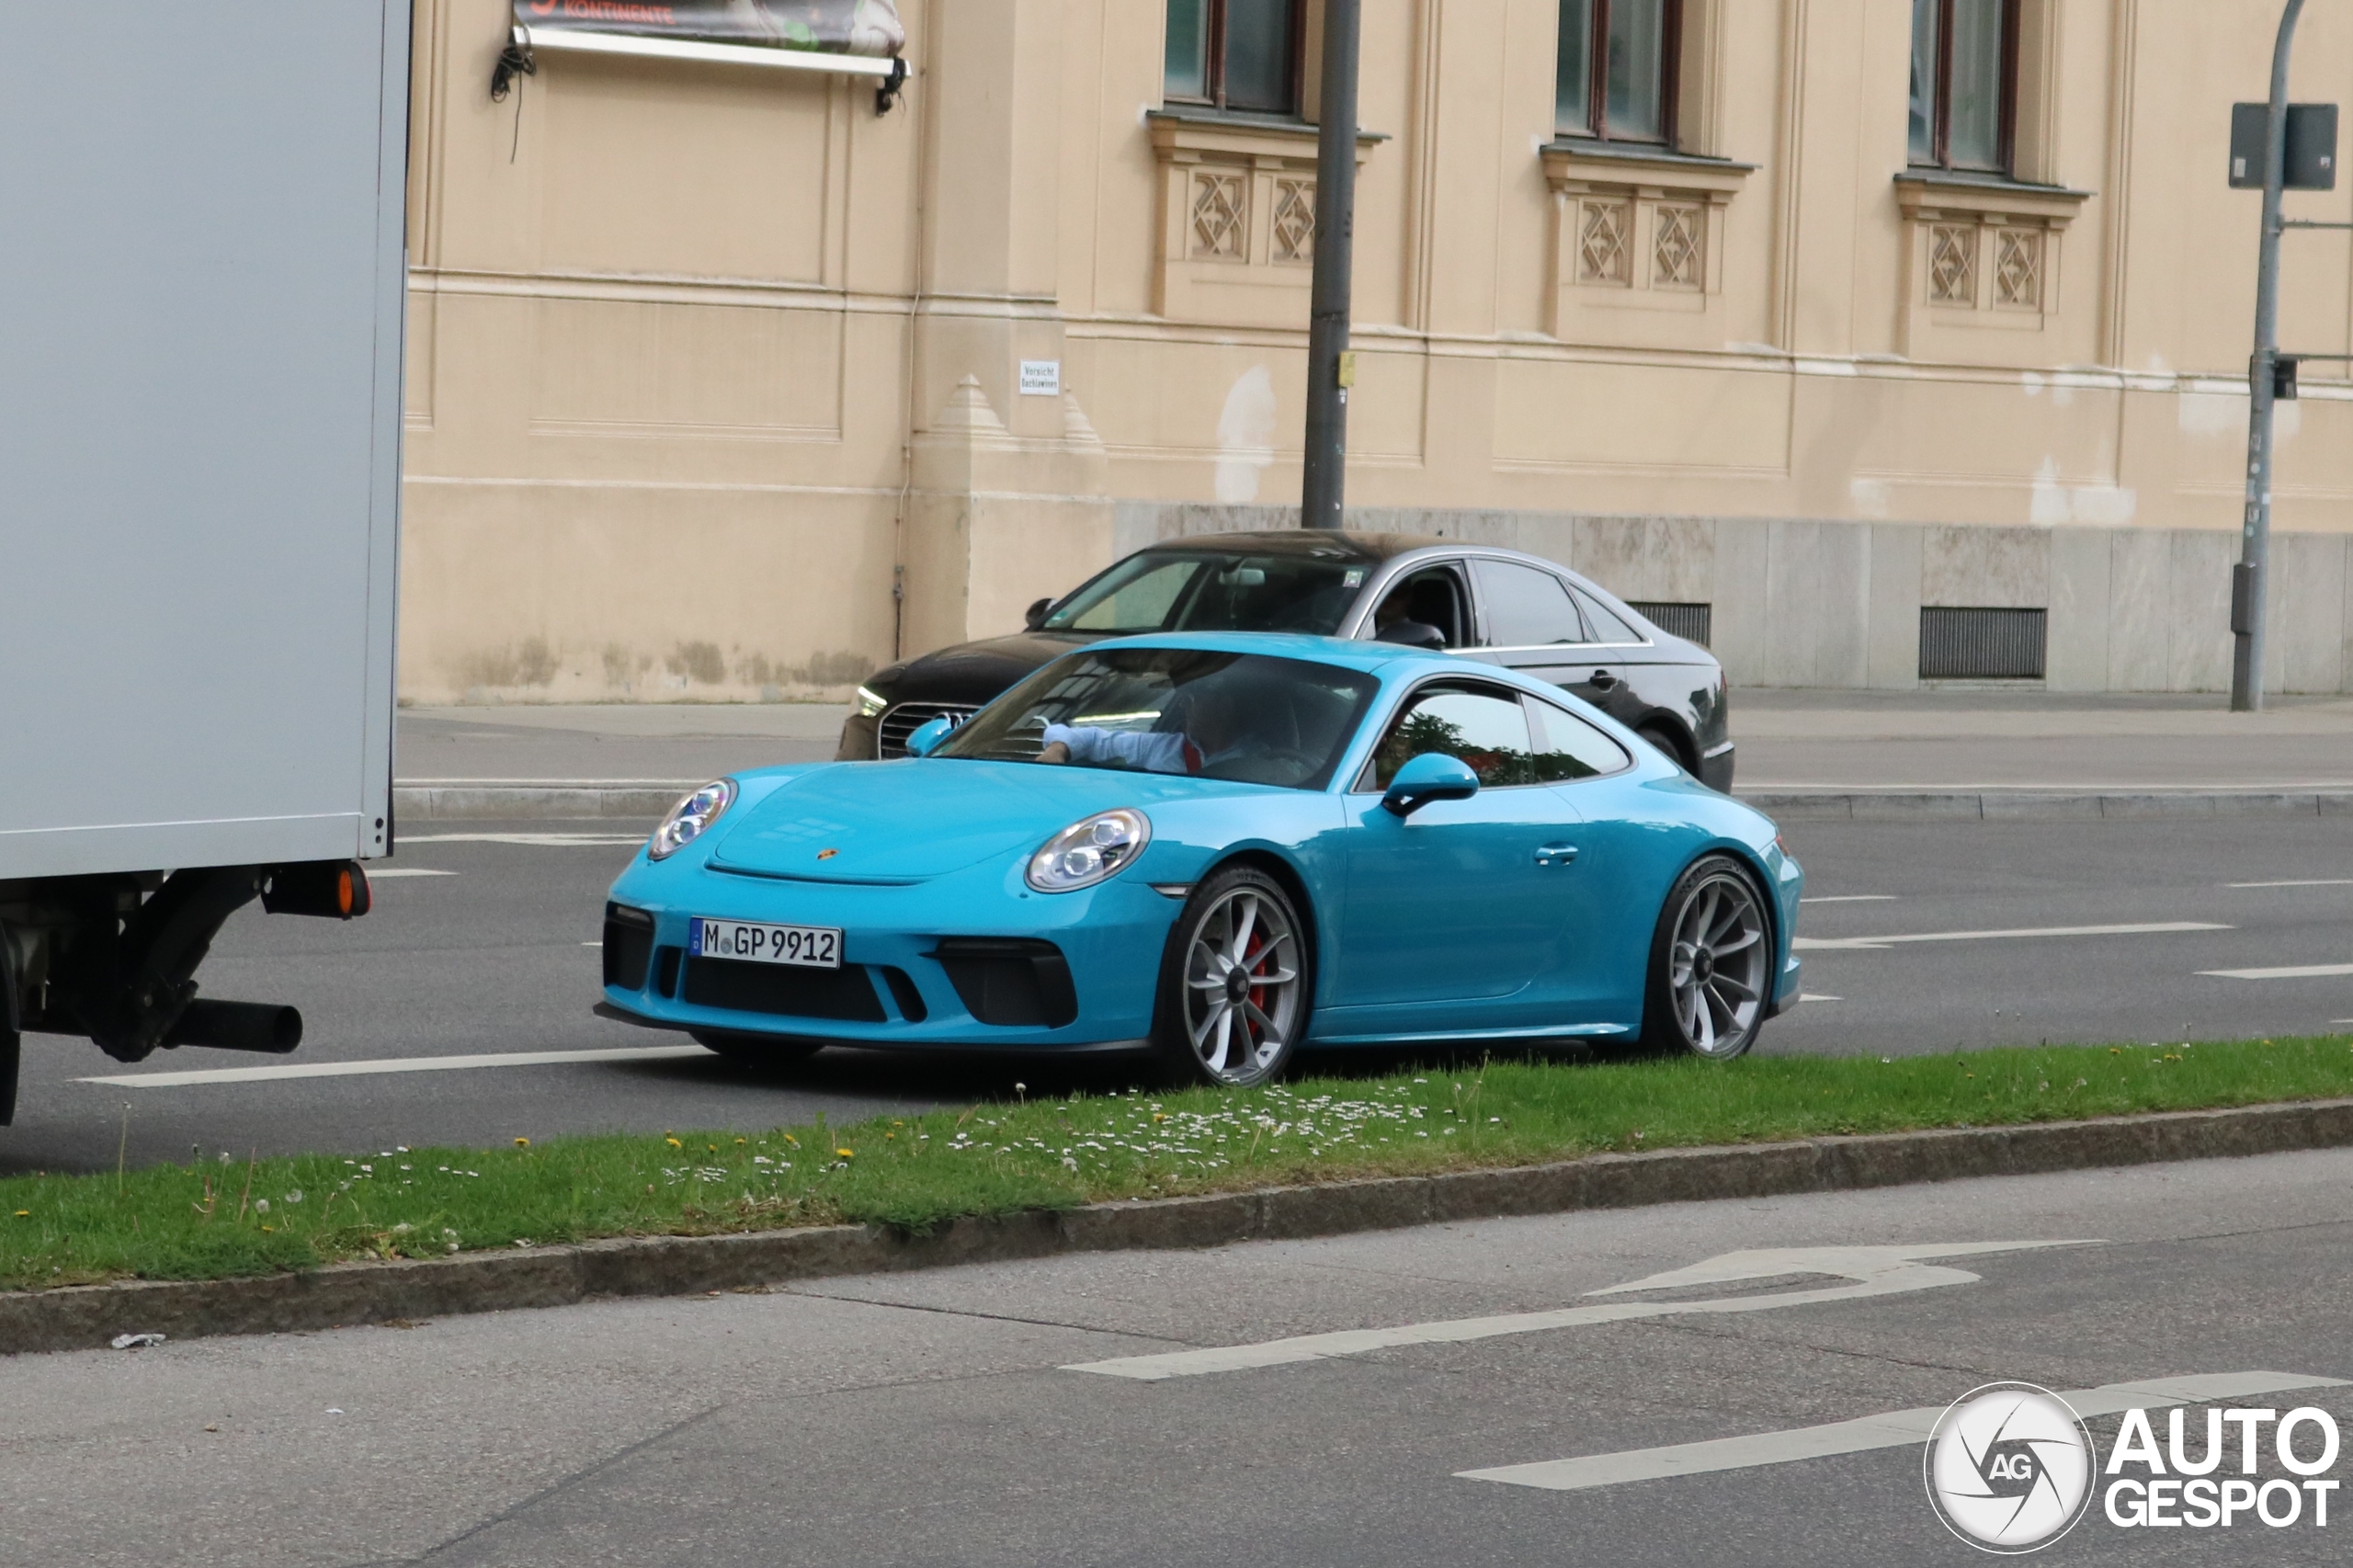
pixel 1200 590
pixel 1243 717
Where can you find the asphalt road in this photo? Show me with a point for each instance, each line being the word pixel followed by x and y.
pixel 931 1418
pixel 489 955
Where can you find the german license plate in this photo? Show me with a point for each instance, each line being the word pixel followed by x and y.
pixel 747 941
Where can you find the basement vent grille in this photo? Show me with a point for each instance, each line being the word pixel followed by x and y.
pixel 1690 622
pixel 1983 644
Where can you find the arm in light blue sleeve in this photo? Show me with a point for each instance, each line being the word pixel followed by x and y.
pixel 1153 753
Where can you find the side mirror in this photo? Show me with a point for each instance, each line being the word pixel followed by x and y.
pixel 1035 616
pixel 928 735
pixel 1433 776
pixel 1414 634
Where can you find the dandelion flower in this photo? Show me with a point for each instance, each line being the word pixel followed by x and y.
pixel 261 1205
pixel 522 1142
pixel 845 1153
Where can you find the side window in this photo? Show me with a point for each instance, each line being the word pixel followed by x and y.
pixel 1608 627
pixel 1485 728
pixel 1525 607
pixel 1432 596
pixel 1567 747
pixel 1141 603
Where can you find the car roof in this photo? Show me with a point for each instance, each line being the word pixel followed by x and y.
pixel 1391 660
pixel 1331 544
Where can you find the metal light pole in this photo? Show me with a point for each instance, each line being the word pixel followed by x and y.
pixel 2248 588
pixel 1330 365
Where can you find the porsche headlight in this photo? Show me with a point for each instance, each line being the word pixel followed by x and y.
pixel 1086 852
pixel 869 703
pixel 690 818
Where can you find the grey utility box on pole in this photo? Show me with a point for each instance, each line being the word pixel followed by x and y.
pixel 202 282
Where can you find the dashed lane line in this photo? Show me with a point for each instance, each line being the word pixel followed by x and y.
pixel 1893 1429
pixel 1824 944
pixel 2289 972
pixel 393 1064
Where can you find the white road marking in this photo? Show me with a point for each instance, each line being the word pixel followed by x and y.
pixel 1818 944
pixel 2322 882
pixel 2292 972
pixel 560 840
pixel 1893 1429
pixel 405 872
pixel 1873 1270
pixel 393 1064
pixel 1817 996
pixel 1852 898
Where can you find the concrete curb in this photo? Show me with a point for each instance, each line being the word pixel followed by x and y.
pixel 84 1317
pixel 2042 805
pixel 562 800
pixel 574 799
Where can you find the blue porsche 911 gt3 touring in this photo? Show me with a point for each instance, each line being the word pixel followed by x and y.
pixel 1223 848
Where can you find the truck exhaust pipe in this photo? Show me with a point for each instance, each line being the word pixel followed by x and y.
pixel 265 1027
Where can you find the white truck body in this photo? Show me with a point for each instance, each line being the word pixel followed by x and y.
pixel 201 294
pixel 202 287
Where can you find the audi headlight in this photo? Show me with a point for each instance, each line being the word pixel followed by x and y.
pixel 869 703
pixel 1086 852
pixel 690 818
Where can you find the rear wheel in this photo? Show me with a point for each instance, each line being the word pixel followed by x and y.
pixel 1711 964
pixel 1235 983
pixel 1668 742
pixel 756 1050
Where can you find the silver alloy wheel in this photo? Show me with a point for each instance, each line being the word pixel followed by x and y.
pixel 1242 990
pixel 1716 967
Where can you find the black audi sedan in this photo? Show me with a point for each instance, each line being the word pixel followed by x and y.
pixel 1494 606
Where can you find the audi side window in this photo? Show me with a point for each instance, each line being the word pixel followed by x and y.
pixel 1486 728
pixel 1606 627
pixel 1567 748
pixel 1525 607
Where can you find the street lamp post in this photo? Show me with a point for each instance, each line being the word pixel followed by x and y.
pixel 1330 365
pixel 2248 587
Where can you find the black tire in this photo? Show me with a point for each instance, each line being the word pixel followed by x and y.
pixel 1237 982
pixel 1711 964
pixel 756 1050
pixel 1665 738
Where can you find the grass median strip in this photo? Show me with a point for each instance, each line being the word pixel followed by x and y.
pixel 221 1216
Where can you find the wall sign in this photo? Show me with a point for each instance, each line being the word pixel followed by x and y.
pixel 866 28
pixel 1041 378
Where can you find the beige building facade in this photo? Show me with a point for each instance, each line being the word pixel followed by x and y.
pixel 723 386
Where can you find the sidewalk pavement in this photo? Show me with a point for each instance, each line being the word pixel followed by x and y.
pixel 1950 751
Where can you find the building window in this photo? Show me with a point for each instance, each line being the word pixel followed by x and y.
pixel 1615 76
pixel 1964 83
pixel 1235 54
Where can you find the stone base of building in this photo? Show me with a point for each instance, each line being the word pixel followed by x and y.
pixel 1803 602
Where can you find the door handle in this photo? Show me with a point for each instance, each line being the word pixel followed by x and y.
pixel 1556 854
pixel 1602 680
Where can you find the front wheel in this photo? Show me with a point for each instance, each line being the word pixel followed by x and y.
pixel 1711 964
pixel 1235 983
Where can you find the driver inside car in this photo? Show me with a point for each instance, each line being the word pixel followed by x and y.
pixel 1215 731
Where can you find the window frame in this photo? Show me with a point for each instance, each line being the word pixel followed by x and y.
pixel 1487 632
pixel 1940 114
pixel 1213 66
pixel 1540 707
pixel 1596 106
pixel 1447 682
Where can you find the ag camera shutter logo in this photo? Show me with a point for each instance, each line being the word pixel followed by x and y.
pixel 2010 1468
